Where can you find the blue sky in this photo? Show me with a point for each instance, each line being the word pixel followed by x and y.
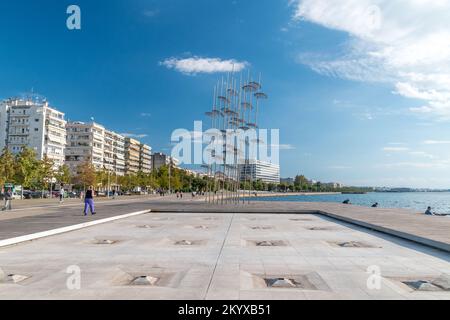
pixel 354 103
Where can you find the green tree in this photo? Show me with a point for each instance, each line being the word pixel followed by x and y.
pixel 301 183
pixel 63 175
pixel 101 177
pixel 86 174
pixel 7 167
pixel 27 168
pixel 45 173
pixel 163 177
pixel 128 182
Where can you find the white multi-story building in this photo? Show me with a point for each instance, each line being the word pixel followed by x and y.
pixel 85 143
pixel 259 170
pixel 145 158
pixel 33 124
pixel 91 142
pixel 114 153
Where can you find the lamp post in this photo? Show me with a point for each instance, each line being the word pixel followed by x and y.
pixel 170 168
pixel 109 182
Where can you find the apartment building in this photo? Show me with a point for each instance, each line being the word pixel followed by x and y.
pixel 114 153
pixel 160 159
pixel 258 170
pixel 132 156
pixel 145 158
pixel 33 124
pixel 85 142
pixel 105 149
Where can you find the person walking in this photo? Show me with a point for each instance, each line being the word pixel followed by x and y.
pixel 89 201
pixel 61 195
pixel 8 200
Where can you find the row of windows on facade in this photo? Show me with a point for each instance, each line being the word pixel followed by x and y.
pixel 51 150
pixel 24 112
pixel 27 130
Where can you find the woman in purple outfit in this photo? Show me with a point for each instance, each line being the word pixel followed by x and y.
pixel 89 201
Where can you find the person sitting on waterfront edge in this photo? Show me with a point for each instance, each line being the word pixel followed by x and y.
pixel 428 212
pixel 375 205
pixel 346 201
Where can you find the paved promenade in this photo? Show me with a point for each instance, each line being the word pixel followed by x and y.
pixel 187 249
pixel 47 215
pixel 432 231
pixel 198 256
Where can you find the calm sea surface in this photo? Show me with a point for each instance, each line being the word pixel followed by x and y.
pixel 418 202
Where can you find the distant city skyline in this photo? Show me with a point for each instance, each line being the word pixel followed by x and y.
pixel 360 96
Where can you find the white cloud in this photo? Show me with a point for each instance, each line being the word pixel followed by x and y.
pixel 436 142
pixel 403 42
pixel 422 154
pixel 438 164
pixel 150 13
pixel 395 149
pixel 133 135
pixel 397 143
pixel 283 146
pixel 196 65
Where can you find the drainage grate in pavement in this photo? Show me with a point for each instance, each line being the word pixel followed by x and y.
pixel 307 281
pixel 199 227
pixel 281 283
pixel 13 278
pixel 352 244
pixel 147 226
pixel 105 241
pixel 267 243
pixel 210 219
pixel 440 284
pixel 261 228
pixel 144 281
pixel 150 277
pixel 184 243
pixel 188 242
pixel 320 228
pixel 300 282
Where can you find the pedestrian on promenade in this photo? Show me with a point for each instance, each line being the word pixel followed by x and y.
pixel 89 201
pixel 61 195
pixel 8 200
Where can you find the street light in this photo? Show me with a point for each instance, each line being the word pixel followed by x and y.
pixel 170 167
pixel 109 181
